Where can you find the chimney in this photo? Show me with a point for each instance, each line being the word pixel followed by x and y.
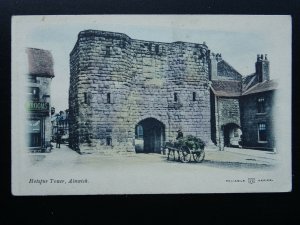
pixel 262 68
pixel 213 67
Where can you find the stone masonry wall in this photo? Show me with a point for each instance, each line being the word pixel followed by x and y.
pixel 227 112
pixel 140 79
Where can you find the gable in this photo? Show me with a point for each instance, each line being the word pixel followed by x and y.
pixel 227 72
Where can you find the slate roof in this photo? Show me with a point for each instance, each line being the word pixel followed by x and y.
pixel 267 85
pixel 249 81
pixel 227 72
pixel 226 88
pixel 40 62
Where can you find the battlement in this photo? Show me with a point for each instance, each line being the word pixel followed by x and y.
pixel 106 34
pixel 120 36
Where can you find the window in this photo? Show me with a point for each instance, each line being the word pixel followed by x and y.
pixel 261 105
pixel 85 98
pixel 107 52
pixel 262 134
pixel 34 93
pixel 156 49
pixel 175 97
pixel 149 47
pixel 32 79
pixel 139 131
pixel 108 141
pixel 194 96
pixel 108 100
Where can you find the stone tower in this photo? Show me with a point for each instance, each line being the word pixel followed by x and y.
pixel 133 95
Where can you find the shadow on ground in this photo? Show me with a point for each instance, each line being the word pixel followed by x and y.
pixel 236 164
pixel 229 165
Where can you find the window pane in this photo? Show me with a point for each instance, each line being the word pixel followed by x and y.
pixel 139 131
pixel 262 134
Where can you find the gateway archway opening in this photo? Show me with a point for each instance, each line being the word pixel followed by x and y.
pixel 232 135
pixel 149 136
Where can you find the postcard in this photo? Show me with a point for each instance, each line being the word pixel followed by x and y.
pixel 150 104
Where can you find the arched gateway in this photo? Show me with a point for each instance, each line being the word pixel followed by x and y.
pixel 232 133
pixel 149 136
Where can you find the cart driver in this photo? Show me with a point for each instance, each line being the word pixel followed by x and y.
pixel 179 134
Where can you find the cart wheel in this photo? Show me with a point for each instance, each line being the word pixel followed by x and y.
pixel 171 154
pixel 199 156
pixel 185 154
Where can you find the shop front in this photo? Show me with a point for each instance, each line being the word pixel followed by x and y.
pixel 37 125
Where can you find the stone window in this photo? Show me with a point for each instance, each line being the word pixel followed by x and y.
pixel 175 97
pixel 85 98
pixel 107 51
pixel 156 49
pixel 149 47
pixel 108 141
pixel 194 96
pixel 261 105
pixel 262 132
pixel 108 99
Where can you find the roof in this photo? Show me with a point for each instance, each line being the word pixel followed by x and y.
pixel 40 62
pixel 227 72
pixel 249 81
pixel 267 85
pixel 226 88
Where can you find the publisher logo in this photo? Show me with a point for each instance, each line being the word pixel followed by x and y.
pixel 251 180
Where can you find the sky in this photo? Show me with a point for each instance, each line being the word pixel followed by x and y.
pixel 238 38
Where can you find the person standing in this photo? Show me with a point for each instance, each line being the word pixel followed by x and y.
pixel 58 139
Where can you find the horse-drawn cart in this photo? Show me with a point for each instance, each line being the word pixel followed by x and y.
pixel 186 148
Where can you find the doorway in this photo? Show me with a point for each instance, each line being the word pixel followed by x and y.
pixel 232 133
pixel 149 136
